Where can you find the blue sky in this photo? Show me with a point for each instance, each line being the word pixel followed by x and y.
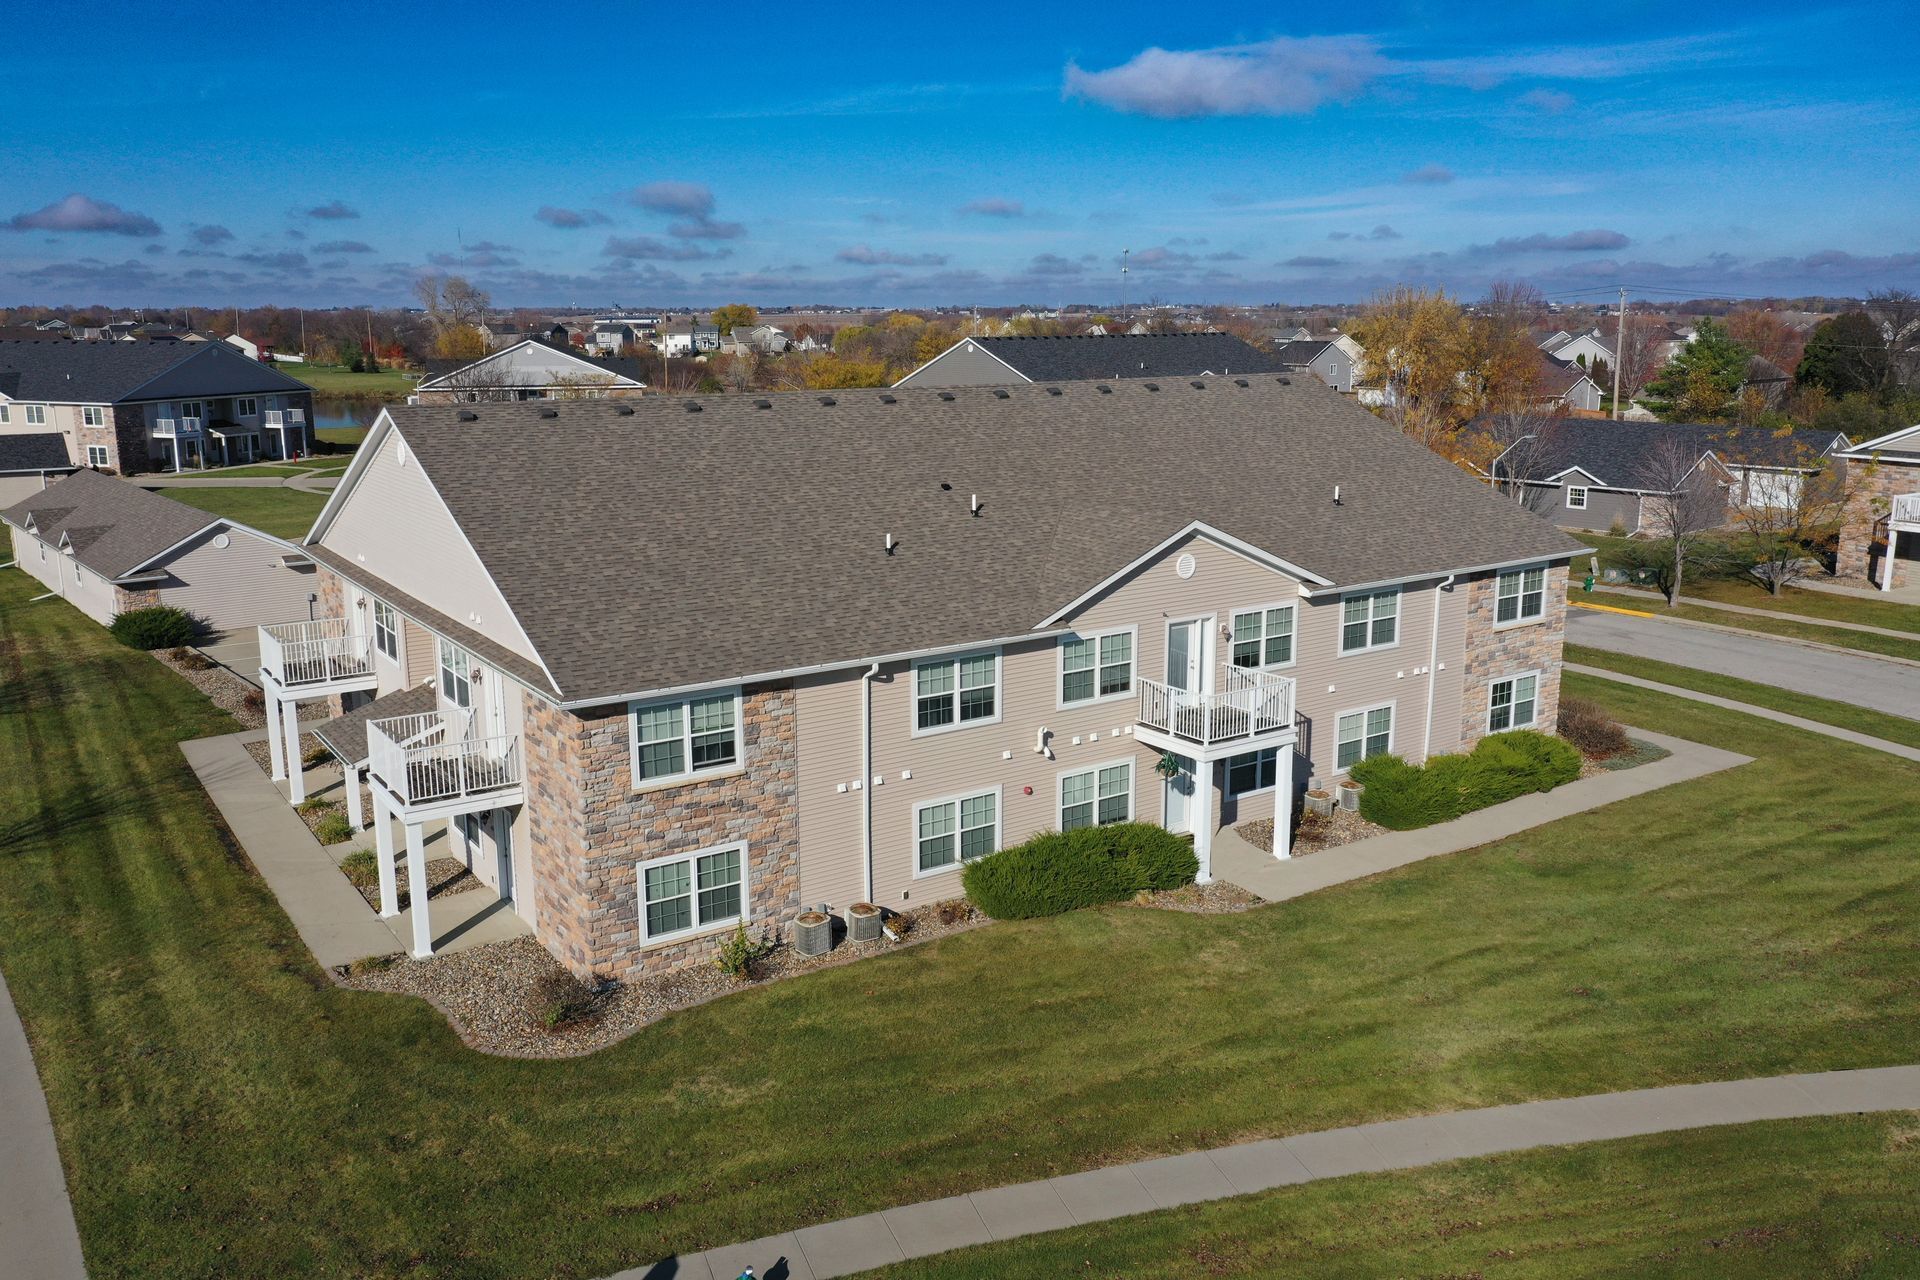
pixel 986 153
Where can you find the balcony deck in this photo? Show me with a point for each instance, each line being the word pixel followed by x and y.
pixel 430 766
pixel 317 656
pixel 1249 711
pixel 1905 514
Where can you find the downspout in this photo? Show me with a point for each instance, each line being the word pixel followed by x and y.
pixel 1433 659
pixel 866 776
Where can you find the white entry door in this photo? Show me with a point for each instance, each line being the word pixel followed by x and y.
pixel 1184 643
pixel 1177 816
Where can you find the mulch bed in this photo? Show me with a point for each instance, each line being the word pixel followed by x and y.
pixel 444 876
pixel 491 994
pixel 222 687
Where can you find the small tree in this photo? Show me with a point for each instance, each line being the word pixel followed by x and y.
pixel 734 314
pixel 1682 500
pixel 1784 516
pixel 1845 355
pixel 1702 383
pixel 1514 444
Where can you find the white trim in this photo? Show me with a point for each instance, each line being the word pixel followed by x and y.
pixel 963 342
pixel 1514 680
pixel 689 773
pixel 1133 789
pixel 106 455
pixel 1866 448
pixel 959 858
pixel 1204 624
pixel 1393 731
pixel 1434 576
pixel 1226 773
pixel 1060 643
pixel 954 661
pixel 699 928
pixel 1198 529
pixel 1340 649
pixel 1522 619
pixel 1584 490
pixel 1293 611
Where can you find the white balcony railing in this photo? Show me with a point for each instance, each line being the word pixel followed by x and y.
pixel 1249 702
pixel 1906 508
pixel 273 418
pixel 316 652
pixel 428 758
pixel 172 426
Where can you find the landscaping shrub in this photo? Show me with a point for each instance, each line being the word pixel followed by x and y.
pixel 333 829
pixel 1401 796
pixel 1588 727
pixel 159 626
pixel 361 867
pixel 1064 871
pixel 561 1000
pixel 739 953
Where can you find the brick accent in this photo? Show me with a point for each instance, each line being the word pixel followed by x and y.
pixel 1494 653
pixel 124 435
pixel 1863 532
pixel 123 599
pixel 587 828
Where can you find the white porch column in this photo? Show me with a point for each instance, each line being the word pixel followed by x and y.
pixel 1886 565
pixel 383 853
pixel 296 770
pixel 276 747
pixel 1283 803
pixel 417 892
pixel 1203 826
pixel 351 775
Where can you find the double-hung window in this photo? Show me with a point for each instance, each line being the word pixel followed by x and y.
pixel 1097 666
pixel 1369 621
pixel 386 629
pixel 1252 772
pixel 1521 596
pixel 6 414
pixel 456 676
pixel 36 415
pixel 1097 796
pixel 97 455
pixel 686 738
pixel 1360 734
pixel 947 832
pixel 697 892
pixel 956 691
pixel 246 407
pixel 93 415
pixel 1512 702
pixel 1576 497
pixel 1263 637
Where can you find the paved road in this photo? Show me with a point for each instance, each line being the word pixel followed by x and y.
pixel 1864 681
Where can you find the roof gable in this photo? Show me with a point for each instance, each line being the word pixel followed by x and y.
pixel 528 363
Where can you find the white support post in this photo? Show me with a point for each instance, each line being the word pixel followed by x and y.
pixel 350 775
pixel 417 892
pixel 383 853
pixel 1283 803
pixel 1886 565
pixel 1203 829
pixel 276 747
pixel 296 768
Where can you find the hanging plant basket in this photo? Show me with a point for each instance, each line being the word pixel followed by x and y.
pixel 1168 766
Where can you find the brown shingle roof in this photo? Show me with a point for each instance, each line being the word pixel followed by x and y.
pixel 114 526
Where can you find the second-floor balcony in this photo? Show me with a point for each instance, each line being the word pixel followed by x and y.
pixel 1249 709
pixel 1906 510
pixel 317 655
pixel 176 426
pixel 433 761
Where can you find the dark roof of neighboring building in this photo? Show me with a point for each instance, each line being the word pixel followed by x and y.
pixel 107 372
pixel 346 735
pixel 1618 454
pixel 1301 350
pixel 40 451
pixel 1557 377
pixel 114 527
pixel 619 530
pixel 27 333
pixel 1084 357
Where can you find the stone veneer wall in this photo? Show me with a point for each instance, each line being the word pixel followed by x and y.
pixel 125 436
pixel 1862 544
pixel 124 600
pixel 1493 654
pixel 587 829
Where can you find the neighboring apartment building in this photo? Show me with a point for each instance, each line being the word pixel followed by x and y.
pixel 986 362
pixel 133 407
pixel 1325 358
pixel 688 338
pixel 529 370
pixel 29 464
pixel 667 666
pixel 1880 535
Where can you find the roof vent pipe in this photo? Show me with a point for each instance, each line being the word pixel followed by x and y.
pixel 974 506
pixel 890 544
pixel 1336 495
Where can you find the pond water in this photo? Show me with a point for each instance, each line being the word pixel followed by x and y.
pixel 329 412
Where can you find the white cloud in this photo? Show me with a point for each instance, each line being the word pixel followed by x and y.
pixel 1288 76
pixel 84 213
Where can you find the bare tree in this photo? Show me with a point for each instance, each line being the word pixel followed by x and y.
pixel 1898 313
pixel 451 302
pixel 1786 508
pixel 484 381
pixel 1518 442
pixel 1639 356
pixel 1684 498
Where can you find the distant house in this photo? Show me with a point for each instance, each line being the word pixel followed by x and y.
pixel 1562 384
pixel 106 546
pixel 689 338
pixel 610 337
pixel 985 362
pixel 1588 350
pixel 1551 339
pixel 758 339
pixel 501 334
pixel 1584 473
pixel 529 370
pixel 139 406
pixel 1326 359
pixel 28 463
pixel 1880 532
pixel 1298 333
pixel 52 326
pixel 251 350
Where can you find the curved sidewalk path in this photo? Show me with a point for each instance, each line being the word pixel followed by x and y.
pixel 935 1226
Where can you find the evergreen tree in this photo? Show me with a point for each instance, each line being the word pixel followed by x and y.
pixel 1702 383
pixel 1846 354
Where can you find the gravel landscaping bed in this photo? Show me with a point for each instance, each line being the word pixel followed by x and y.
pixel 222 687
pixel 492 995
pixel 444 876
pixel 263 754
pixel 1313 834
pixel 1203 899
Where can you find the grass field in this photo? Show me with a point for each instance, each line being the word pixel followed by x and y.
pixel 338 380
pixel 223 1109
pixel 1828 1197
pixel 341 437
pixel 285 513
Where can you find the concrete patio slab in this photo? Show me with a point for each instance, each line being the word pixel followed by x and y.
pixel 1184 1179
pixel 771 1257
pixel 464 920
pixel 935 1226
pixel 1099 1194
pixel 1021 1210
pixel 849 1245
pixel 1260 1166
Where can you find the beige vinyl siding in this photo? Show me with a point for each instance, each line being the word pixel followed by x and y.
pixel 18 488
pixel 965 365
pixel 237 586
pixel 81 587
pixel 395 524
pixel 37 558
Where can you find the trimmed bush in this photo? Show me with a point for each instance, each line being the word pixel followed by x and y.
pixel 159 626
pixel 1588 727
pixel 1060 871
pixel 1502 766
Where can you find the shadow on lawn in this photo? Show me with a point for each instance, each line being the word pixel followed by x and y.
pixel 81 809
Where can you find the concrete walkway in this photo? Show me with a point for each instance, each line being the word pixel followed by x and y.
pixel 1239 862
pixel 1654 604
pixel 1004 1213
pixel 1899 595
pixel 1765 713
pixel 37 1233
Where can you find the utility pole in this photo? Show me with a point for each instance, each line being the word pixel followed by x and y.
pixel 303 332
pixel 1123 282
pixel 1619 350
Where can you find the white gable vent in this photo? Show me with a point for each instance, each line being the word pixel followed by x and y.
pixel 1183 567
pixel 400 451
pixel 221 541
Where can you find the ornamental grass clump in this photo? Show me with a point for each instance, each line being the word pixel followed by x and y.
pixel 1502 766
pixel 1059 871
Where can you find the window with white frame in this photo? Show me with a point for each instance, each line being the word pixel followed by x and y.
pixel 93 415
pixel 1576 497
pixel 947 832
pixel 697 892
pixel 1097 797
pixel 1521 596
pixel 1263 637
pixel 6 414
pixel 956 691
pixel 36 415
pixel 1369 621
pixel 386 629
pixel 686 738
pixel 1511 702
pixel 1252 772
pixel 246 407
pixel 97 455
pixel 456 676
pixel 1359 734
pixel 1096 666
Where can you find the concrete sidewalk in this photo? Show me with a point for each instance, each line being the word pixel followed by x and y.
pixel 1259 872
pixel 38 1237
pixel 1004 1213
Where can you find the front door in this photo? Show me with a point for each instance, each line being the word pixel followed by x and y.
pixel 503 852
pixel 1178 811
pixel 1184 640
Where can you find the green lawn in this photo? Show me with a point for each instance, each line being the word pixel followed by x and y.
pixel 286 513
pixel 338 380
pixel 1829 1197
pixel 348 438
pixel 223 1109
pixel 1844 715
